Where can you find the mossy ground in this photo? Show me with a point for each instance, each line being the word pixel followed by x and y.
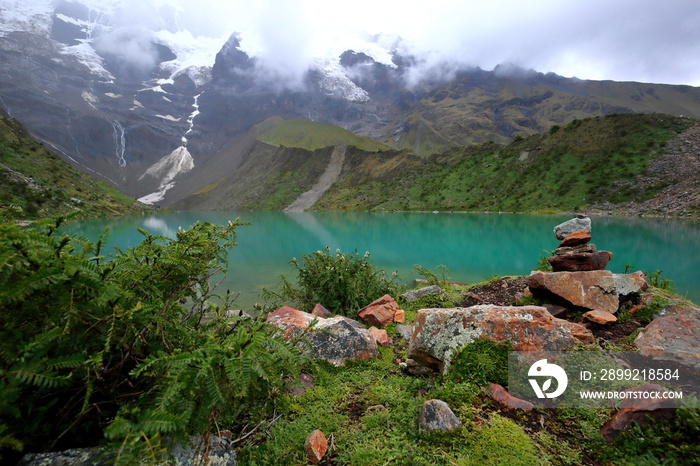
pixel 344 404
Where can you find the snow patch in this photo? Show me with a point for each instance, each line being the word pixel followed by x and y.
pixel 335 82
pixel 177 162
pixel 195 54
pixel 113 95
pixel 168 117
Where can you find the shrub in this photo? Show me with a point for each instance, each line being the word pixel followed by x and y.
pixel 342 282
pixel 89 342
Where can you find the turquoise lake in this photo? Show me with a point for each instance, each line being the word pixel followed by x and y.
pixel 471 246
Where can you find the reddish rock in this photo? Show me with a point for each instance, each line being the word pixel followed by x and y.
pixel 290 320
pixel 575 239
pixel 503 398
pixel 600 317
pixel 640 411
pixel 320 311
pixel 590 290
pixel 399 316
pixel 438 334
pixel 437 415
pixel 381 312
pixel 306 381
pixel 381 336
pixel 641 279
pixel 583 261
pixel 336 340
pixel 315 446
pixel 673 337
pixel 578 331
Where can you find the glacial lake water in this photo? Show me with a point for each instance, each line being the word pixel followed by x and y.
pixel 471 246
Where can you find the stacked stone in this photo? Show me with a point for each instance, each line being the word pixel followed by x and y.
pixel 575 253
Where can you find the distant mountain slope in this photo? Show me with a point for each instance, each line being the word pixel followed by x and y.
pixel 147 129
pixel 311 135
pixel 618 162
pixel 43 185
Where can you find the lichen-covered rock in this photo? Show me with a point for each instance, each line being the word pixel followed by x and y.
pixel 590 290
pixel 630 284
pixel 336 341
pixel 439 334
pixel 574 225
pixel 560 251
pixel 437 415
pixel 412 295
pixel 672 337
pixel 381 312
pixel 640 410
pixel 290 320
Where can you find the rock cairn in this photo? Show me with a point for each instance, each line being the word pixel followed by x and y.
pixel 575 253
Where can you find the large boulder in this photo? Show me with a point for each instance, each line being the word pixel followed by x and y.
pixel 580 261
pixel 439 334
pixel 574 225
pixel 593 290
pixel 291 321
pixel 335 340
pixel 381 312
pixel 672 337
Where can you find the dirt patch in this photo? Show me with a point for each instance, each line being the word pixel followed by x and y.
pixel 502 292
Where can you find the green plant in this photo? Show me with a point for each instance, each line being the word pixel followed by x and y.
pixel 431 277
pixel 543 265
pixel 342 282
pixel 131 343
pixel 656 280
pixel 481 362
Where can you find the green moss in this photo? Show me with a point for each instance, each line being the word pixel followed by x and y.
pixel 502 442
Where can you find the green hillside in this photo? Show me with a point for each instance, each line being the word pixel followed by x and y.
pixel 580 165
pixel 42 185
pixel 311 135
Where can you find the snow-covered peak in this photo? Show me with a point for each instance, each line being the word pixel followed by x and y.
pixel 335 82
pixel 195 55
pixel 20 15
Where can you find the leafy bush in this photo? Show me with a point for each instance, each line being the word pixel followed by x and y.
pixel 130 343
pixel 342 282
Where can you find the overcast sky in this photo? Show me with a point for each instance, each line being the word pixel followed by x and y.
pixel 636 40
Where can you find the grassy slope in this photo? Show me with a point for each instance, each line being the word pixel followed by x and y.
pixel 474 109
pixel 43 185
pixel 311 135
pixel 566 168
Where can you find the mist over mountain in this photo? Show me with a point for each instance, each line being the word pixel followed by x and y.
pixel 152 98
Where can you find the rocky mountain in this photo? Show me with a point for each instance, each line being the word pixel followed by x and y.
pixel 153 110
